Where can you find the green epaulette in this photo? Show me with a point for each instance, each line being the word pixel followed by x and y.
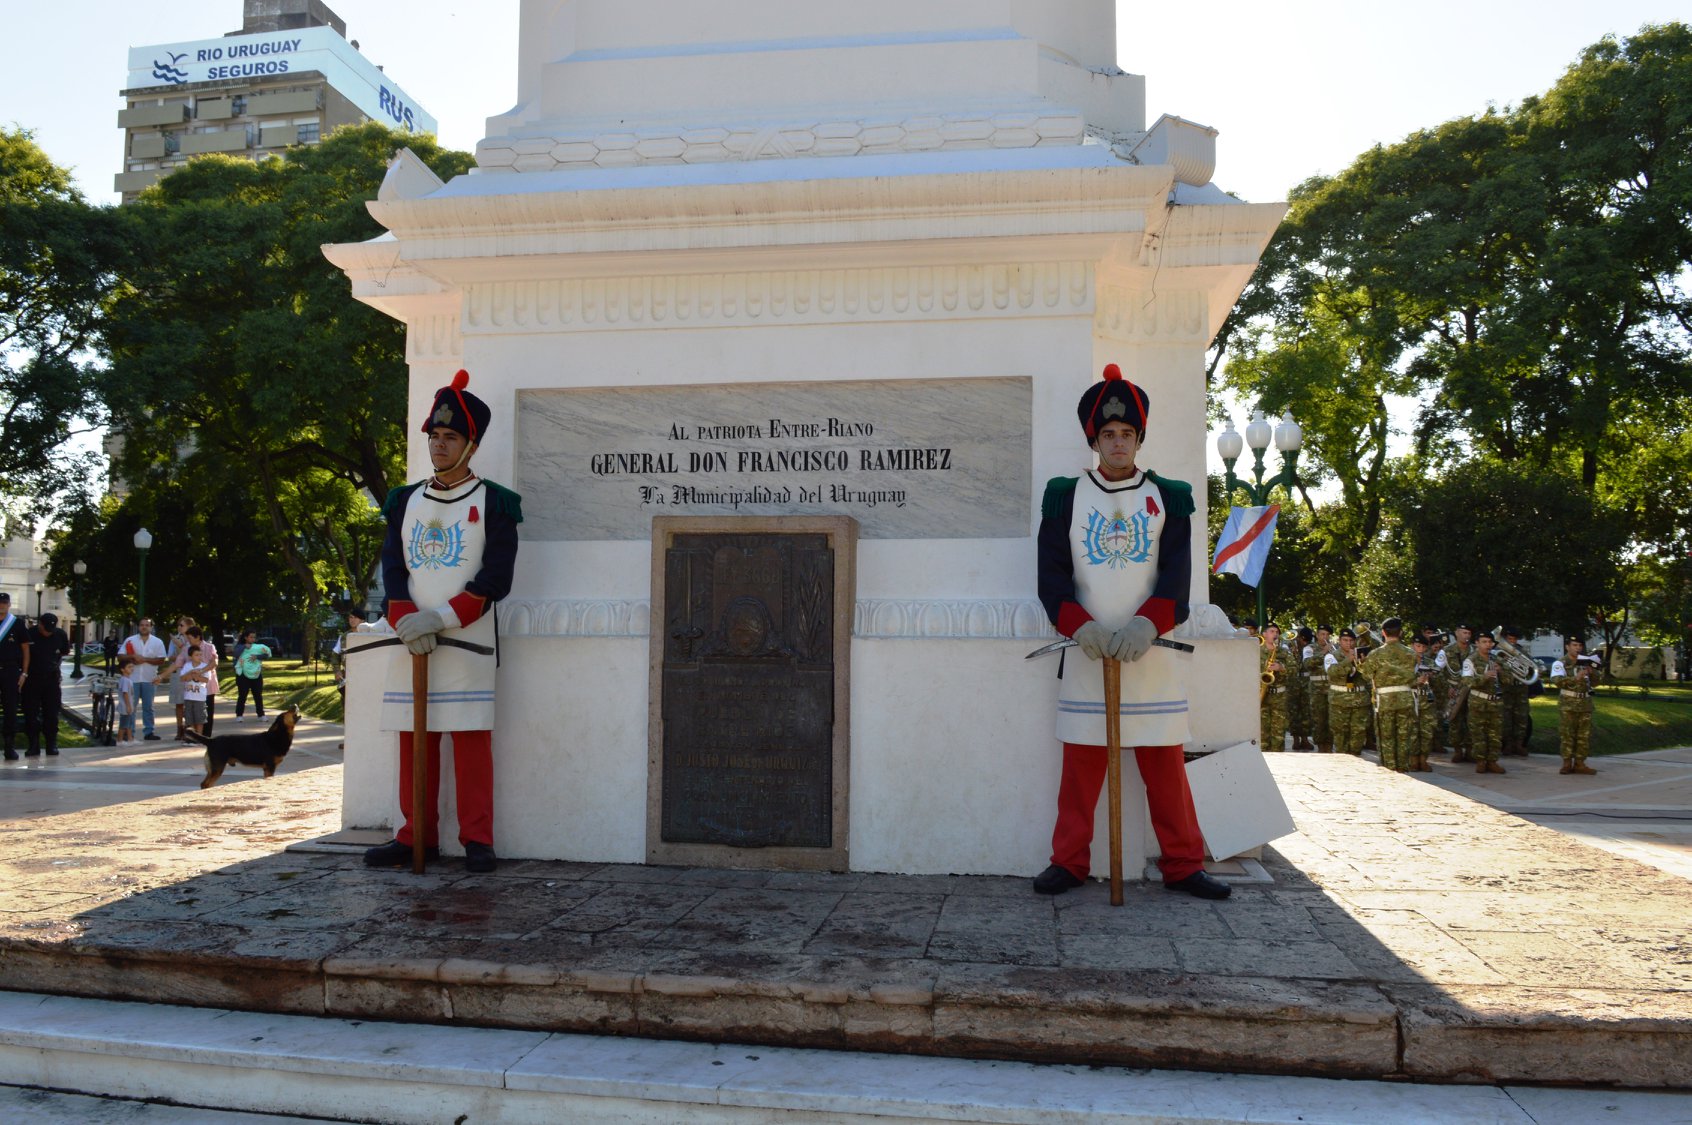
pixel 1058 492
pixel 502 501
pixel 1177 494
pixel 395 503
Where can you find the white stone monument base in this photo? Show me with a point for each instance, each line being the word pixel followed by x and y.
pixel 954 764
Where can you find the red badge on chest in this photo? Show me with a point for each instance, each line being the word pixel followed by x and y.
pixel 473 515
pixel 1151 505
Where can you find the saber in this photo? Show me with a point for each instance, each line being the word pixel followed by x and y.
pixel 1068 642
pixel 1113 770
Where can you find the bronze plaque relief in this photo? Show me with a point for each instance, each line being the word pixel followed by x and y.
pixel 749 670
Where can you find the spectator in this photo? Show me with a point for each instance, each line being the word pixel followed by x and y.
pixel 178 656
pixel 208 656
pixel 356 618
pixel 126 702
pixel 109 647
pixel 148 652
pixel 12 629
pixel 46 647
pixel 249 674
pixel 192 677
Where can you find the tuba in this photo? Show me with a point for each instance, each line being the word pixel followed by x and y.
pixel 1519 664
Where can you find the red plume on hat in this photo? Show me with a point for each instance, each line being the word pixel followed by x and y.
pixel 1113 399
pixel 457 409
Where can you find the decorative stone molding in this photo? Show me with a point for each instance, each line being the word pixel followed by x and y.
pixel 433 338
pixel 1142 314
pixel 872 619
pixel 778 141
pixel 781 296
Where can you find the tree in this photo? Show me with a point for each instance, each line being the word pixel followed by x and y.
pixel 238 349
pixel 56 255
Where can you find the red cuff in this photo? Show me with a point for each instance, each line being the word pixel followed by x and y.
pixel 468 607
pixel 1160 612
pixel 1071 617
pixel 398 609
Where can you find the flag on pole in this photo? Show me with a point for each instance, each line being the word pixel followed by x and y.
pixel 1243 546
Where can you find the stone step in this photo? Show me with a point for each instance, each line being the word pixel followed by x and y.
pixel 319 1068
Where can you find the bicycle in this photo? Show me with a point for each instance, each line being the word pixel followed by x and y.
pixel 102 695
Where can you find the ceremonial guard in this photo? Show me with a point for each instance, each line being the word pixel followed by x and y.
pixel 1298 690
pixel 1348 699
pixel 1480 676
pixel 1573 677
pixel 1314 658
pixel 1391 669
pixel 1427 707
pixel 1274 666
pixel 1455 656
pixel 12 679
pixel 1115 566
pixel 1513 694
pixel 447 559
pixel 44 647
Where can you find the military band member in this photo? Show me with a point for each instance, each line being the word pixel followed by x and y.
pixel 1513 703
pixel 1115 566
pixel 1573 677
pixel 1457 654
pixel 1440 684
pixel 1275 662
pixel 1314 658
pixel 1427 705
pixel 1367 642
pixel 1480 674
pixel 1298 690
pixel 1391 669
pixel 1348 696
pixel 448 558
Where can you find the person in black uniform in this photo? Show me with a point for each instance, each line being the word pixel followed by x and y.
pixel 44 646
pixel 12 629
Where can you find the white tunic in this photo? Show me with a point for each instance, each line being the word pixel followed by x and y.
pixel 443 551
pixel 1114 538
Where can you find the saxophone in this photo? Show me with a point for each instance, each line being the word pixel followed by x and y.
pixel 1266 678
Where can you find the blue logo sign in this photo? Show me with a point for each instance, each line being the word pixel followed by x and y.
pixel 168 72
pixel 434 545
pixel 1117 540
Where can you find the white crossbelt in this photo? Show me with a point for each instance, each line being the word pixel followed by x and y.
pixel 1390 690
pixel 1567 694
pixel 1343 690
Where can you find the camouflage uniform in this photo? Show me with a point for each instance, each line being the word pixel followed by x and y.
pixel 1439 686
pixel 1367 642
pixel 1512 713
pixel 1316 677
pixel 1483 711
pixel 1273 717
pixel 1574 715
pixel 1348 705
pixel 1462 740
pixel 1298 697
pixel 1391 668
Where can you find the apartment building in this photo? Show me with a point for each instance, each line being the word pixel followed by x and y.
pixel 288 77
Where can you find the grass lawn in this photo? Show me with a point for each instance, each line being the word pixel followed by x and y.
pixel 1624 719
pixel 285 682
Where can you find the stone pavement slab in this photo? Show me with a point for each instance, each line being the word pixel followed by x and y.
pixel 1407 932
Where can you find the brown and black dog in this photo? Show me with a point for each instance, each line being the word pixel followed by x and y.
pixel 264 748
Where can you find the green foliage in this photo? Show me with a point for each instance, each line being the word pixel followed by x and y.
pixel 238 352
pixel 56 254
pixel 1519 279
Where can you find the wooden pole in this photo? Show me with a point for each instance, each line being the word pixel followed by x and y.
pixel 419 754
pixel 1113 770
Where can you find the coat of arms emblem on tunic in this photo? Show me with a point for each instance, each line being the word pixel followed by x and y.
pixel 1117 540
pixel 435 545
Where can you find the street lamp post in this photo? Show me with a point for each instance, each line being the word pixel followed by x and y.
pixel 1288 437
pixel 40 587
pixel 79 568
pixel 143 543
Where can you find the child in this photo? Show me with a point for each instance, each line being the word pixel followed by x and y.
pixel 194 689
pixel 126 702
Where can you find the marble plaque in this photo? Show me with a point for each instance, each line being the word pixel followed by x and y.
pixel 908 459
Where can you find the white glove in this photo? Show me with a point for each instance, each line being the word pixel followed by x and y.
pixel 1094 639
pixel 422 644
pixel 414 625
pixel 1133 640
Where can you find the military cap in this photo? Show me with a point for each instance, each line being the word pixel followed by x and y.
pixel 1113 399
pixel 51 620
pixel 1347 633
pixel 459 410
pixel 1328 629
pixel 1511 631
pixel 1392 625
pixel 5 597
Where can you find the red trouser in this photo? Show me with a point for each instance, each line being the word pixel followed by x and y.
pixel 472 769
pixel 1164 771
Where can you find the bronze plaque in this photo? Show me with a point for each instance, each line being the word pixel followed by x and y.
pixel 748 673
